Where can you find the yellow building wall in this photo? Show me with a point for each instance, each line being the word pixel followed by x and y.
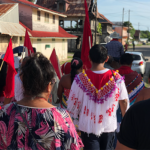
pixel 42 25
pixel 60 45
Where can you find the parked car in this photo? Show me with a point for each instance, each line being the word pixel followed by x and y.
pixel 139 62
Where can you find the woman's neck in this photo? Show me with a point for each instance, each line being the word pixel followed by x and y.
pixel 39 102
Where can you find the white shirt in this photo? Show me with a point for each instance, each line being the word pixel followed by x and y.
pixel 18 88
pixel 94 117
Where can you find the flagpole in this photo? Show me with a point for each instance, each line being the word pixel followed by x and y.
pixel 90 42
pixel 1 65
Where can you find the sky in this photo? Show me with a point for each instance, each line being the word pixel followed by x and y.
pixel 139 11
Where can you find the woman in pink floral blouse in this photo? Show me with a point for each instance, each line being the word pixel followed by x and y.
pixel 33 123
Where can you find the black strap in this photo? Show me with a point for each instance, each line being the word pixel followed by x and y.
pixel 35 140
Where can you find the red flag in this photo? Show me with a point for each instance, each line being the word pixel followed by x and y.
pixel 87 40
pixel 28 45
pixel 55 63
pixel 10 78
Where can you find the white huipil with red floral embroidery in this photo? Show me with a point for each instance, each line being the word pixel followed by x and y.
pixel 92 110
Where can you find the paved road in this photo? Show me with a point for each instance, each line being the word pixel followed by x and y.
pixel 146 52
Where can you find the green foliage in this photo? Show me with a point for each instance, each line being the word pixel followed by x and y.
pixel 131 30
pixel 145 34
pixel 126 24
pixel 99 28
pixel 31 1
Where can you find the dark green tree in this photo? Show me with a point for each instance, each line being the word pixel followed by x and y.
pixel 31 1
pixel 131 30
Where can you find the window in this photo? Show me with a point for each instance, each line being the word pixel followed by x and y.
pixel 38 15
pixel 20 38
pixel 136 57
pixel 38 39
pixel 54 19
pixel 47 17
pixel 53 40
pixel 61 6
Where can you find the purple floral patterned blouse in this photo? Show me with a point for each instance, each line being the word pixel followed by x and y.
pixel 51 127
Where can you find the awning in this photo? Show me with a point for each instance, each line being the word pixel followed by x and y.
pixel 110 32
pixel 12 29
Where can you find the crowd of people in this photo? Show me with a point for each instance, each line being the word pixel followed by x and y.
pixel 102 108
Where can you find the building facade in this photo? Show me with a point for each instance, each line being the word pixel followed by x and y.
pixel 43 26
pixel 74 23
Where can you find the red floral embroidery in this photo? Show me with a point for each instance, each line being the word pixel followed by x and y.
pixel 113 107
pixel 92 115
pixel 72 97
pixel 117 95
pixel 84 109
pixel 87 113
pixel 94 119
pixel 75 103
pixel 109 111
pixel 100 119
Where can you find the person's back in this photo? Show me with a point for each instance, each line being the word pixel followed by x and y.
pixel 3 73
pixel 134 131
pixel 94 99
pixel 144 94
pixel 115 48
pixel 42 126
pixel 67 80
pixel 133 80
pixel 33 123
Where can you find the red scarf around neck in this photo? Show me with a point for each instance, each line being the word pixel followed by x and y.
pixel 114 40
pixel 123 70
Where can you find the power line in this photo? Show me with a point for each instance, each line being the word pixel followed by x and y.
pixel 131 1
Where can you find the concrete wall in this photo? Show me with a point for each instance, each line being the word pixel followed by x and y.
pixel 42 25
pixel 60 45
pixel 25 13
pixel 4 40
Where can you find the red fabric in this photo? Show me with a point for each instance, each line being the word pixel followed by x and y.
pixel 114 40
pixel 123 70
pixel 86 44
pixel 99 80
pixel 66 68
pixel 55 63
pixel 61 33
pixel 10 78
pixel 27 44
pixel 126 46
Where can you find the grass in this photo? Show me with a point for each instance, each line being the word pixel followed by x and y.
pixel 70 55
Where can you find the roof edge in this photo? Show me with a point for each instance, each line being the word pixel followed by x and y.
pixel 15 5
pixel 40 7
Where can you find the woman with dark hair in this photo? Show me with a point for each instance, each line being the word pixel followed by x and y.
pixel 67 80
pixel 33 123
pixel 3 73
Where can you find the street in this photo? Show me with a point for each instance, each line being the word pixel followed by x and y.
pixel 146 52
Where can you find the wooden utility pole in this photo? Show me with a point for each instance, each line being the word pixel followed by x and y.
pixel 95 21
pixel 138 26
pixel 122 23
pixel 129 25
